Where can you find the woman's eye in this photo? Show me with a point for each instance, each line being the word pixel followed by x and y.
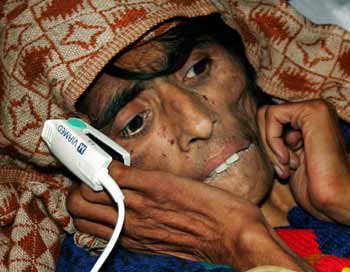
pixel 135 125
pixel 198 68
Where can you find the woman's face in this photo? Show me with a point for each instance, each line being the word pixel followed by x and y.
pixel 198 122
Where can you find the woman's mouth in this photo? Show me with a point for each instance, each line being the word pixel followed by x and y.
pixel 228 163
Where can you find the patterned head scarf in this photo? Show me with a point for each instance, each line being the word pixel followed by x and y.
pixel 51 51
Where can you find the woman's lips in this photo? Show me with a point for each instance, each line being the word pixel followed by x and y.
pixel 227 166
pixel 226 153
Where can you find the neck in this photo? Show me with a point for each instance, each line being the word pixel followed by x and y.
pixel 277 205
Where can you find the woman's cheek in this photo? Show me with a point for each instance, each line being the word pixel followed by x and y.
pixel 152 151
pixel 155 160
pixel 137 162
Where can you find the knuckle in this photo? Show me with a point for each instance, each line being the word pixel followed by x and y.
pixel 271 112
pixel 268 110
pixel 74 202
pixel 325 199
pixel 87 193
pixel 261 111
pixel 117 170
pixel 83 227
pixel 78 224
pixel 320 105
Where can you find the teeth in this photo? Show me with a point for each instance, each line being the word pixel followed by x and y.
pixel 230 161
pixel 211 174
pixel 226 164
pixel 221 168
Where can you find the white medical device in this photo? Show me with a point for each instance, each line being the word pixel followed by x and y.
pixel 87 153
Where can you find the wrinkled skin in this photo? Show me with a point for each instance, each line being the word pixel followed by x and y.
pixel 313 154
pixel 192 121
pixel 180 128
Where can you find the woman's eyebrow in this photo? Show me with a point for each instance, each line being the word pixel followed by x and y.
pixel 117 102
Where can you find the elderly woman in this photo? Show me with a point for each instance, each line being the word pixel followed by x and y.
pixel 187 103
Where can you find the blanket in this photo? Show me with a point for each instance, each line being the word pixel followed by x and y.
pixel 326 246
pixel 74 258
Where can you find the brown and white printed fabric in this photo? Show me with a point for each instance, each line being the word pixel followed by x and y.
pixel 50 51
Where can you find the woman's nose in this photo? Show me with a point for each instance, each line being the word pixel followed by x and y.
pixel 191 119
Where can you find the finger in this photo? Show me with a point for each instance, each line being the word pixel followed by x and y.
pixel 81 208
pixel 93 228
pixel 294 161
pixel 165 188
pixel 186 222
pixel 152 183
pixel 276 118
pixel 101 197
pixel 146 246
pixel 138 202
pixel 261 119
pixel 128 177
pixel 294 139
pixel 280 168
pixel 144 206
pixel 159 230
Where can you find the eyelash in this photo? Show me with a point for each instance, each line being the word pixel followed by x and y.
pixel 202 64
pixel 126 133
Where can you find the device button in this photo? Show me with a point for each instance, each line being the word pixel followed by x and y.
pixel 76 123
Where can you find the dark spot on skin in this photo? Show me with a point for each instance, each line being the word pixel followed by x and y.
pixel 205 97
pixel 137 162
pixel 162 132
pixel 131 151
pixel 164 155
pixel 172 141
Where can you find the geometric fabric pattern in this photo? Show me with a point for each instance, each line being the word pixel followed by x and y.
pixel 324 245
pixel 33 219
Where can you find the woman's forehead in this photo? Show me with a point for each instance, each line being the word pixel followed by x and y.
pixel 146 57
pixel 147 48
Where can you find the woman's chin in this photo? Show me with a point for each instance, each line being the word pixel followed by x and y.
pixel 250 177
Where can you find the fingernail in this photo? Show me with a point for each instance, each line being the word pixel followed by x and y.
pixel 278 170
pixel 293 163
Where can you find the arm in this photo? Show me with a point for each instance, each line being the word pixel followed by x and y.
pixel 312 153
pixel 171 215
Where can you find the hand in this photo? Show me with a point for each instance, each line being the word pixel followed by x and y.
pixel 172 215
pixel 312 153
